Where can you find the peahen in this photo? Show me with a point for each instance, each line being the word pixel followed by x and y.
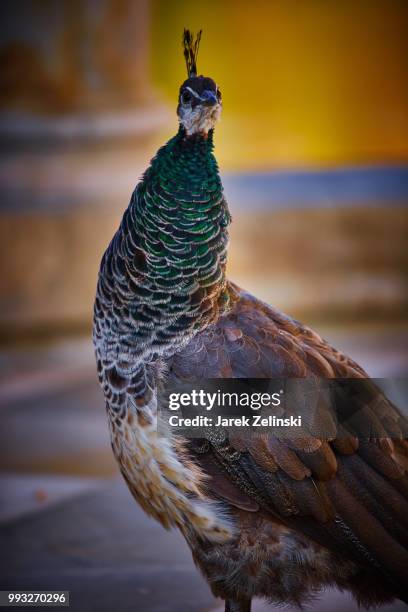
pixel 263 517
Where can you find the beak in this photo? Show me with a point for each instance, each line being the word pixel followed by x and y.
pixel 209 98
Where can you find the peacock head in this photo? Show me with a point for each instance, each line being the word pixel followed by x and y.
pixel 199 106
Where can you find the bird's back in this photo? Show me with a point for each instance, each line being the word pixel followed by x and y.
pixel 338 504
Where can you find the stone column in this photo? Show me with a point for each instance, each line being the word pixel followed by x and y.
pixel 78 124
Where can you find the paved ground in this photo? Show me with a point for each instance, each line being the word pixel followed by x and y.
pixel 67 520
pixel 101 547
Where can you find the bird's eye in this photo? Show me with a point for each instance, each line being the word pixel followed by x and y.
pixel 218 95
pixel 186 97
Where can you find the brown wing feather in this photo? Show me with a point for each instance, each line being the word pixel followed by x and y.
pixel 343 493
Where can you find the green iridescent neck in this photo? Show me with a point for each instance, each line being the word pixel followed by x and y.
pixel 163 275
pixel 181 214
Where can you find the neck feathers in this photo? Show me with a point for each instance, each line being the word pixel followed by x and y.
pixel 166 264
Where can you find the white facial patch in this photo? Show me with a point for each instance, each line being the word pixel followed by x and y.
pixel 201 118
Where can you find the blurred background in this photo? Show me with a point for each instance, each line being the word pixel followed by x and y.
pixel 313 150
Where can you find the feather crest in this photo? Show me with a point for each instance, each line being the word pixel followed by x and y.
pixel 191 51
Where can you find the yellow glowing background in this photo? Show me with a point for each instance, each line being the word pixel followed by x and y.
pixel 304 83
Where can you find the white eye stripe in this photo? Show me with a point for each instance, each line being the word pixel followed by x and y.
pixel 196 95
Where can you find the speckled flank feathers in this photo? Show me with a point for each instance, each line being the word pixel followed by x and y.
pixel 161 280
